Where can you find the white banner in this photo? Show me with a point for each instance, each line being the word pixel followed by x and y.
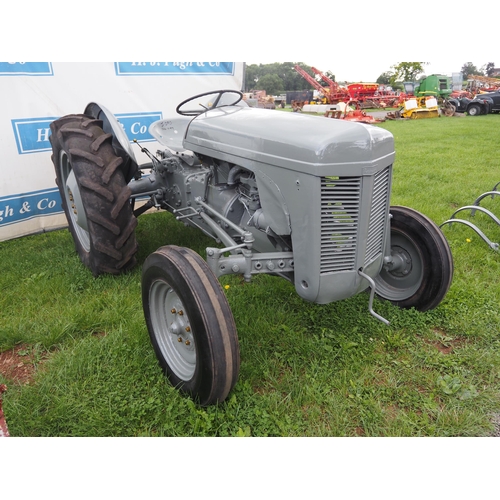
pixel 34 94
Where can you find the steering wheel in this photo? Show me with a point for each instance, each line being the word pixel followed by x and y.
pixel 200 103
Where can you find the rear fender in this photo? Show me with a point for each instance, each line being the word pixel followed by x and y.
pixel 121 143
pixel 460 104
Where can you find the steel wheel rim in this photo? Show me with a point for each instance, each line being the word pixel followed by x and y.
pixel 73 201
pixel 172 330
pixel 396 285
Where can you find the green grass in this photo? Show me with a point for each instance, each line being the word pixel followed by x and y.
pixel 306 370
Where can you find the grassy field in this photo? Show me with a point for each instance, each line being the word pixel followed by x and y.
pixel 306 370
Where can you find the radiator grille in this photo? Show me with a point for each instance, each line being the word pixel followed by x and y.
pixel 340 199
pixel 340 215
pixel 380 200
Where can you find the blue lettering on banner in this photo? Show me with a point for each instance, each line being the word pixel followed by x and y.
pixel 27 206
pixel 136 125
pixel 174 68
pixel 26 69
pixel 32 134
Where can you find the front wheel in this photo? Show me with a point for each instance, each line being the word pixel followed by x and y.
pixel 190 324
pixel 420 270
pixel 474 110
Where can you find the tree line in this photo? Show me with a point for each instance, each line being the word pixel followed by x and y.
pixel 277 78
pixel 415 71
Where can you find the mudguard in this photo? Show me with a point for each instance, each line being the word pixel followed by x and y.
pixel 121 143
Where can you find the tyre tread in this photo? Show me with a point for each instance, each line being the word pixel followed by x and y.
pixel 103 189
pixel 220 351
pixel 437 256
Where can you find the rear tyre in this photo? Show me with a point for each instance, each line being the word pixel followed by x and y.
pixel 421 270
pixel 190 324
pixel 95 196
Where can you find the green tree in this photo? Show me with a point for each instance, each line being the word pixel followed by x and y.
pixel 252 73
pixel 407 71
pixel 272 84
pixel 291 80
pixel 469 69
pixel 385 78
pixel 488 69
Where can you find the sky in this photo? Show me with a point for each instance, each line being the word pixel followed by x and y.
pixel 356 42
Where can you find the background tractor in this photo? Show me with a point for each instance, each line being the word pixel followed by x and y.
pixel 286 194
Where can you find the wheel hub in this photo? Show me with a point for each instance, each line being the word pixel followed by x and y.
pixel 173 330
pixel 181 330
pixel 75 201
pixel 400 264
pixel 76 213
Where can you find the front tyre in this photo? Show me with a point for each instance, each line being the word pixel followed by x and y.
pixel 190 324
pixel 474 110
pixel 95 196
pixel 420 271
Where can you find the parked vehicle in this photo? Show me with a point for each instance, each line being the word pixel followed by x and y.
pixel 286 194
pixel 482 104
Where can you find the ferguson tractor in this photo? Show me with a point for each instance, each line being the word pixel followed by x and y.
pixel 286 194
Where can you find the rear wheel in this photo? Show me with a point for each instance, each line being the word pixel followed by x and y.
pixel 190 324
pixel 95 196
pixel 420 271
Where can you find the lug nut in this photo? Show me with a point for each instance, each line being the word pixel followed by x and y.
pixel 173 311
